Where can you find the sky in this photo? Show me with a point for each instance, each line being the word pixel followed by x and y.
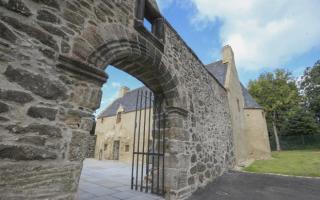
pixel 264 35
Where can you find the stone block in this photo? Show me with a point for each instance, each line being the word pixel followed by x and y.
pixel 54 30
pixel 191 180
pixel 201 167
pixel 3 119
pixel 50 3
pixel 55 180
pixel 7 34
pixel 41 129
pixel 35 140
pixel 92 36
pixel 73 17
pixel 79 146
pixel 65 47
pixel 15 96
pixel 46 16
pixel 32 31
pixel 3 107
pixel 25 153
pixel 81 48
pixel 37 84
pixel 18 6
pixel 42 112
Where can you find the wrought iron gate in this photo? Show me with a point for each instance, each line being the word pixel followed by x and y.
pixel 148 144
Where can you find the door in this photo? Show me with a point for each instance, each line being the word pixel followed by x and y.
pixel 116 148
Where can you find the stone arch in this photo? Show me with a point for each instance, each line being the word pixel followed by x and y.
pixel 138 57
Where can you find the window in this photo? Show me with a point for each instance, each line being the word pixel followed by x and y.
pixel 126 149
pixel 238 102
pixel 118 117
pixel 149 20
pixel 105 147
pixel 147 24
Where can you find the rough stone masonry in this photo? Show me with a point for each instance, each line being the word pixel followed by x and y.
pixel 53 54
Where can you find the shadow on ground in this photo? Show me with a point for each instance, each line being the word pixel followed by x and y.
pixel 247 186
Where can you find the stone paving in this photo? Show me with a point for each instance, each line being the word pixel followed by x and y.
pixel 108 180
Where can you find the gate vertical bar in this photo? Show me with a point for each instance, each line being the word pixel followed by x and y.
pixel 137 163
pixel 153 141
pixel 163 150
pixel 148 148
pixel 159 133
pixel 144 137
pixel 134 140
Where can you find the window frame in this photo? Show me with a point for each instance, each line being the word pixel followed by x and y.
pixel 125 148
pixel 146 11
pixel 119 117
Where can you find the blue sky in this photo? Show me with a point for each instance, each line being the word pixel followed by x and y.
pixel 286 35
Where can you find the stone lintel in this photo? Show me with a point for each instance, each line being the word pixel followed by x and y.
pixel 82 68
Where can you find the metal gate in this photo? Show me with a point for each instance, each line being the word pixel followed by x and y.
pixel 148 144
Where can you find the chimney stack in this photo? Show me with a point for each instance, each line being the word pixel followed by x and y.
pixel 227 55
pixel 123 90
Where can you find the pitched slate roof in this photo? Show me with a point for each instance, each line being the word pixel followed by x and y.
pixel 249 101
pixel 219 70
pixel 128 103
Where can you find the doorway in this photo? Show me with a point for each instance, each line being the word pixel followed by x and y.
pixel 116 148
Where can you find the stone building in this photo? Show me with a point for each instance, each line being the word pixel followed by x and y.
pixel 248 119
pixel 115 126
pixel 250 133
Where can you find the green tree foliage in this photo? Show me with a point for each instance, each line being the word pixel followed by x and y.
pixel 301 122
pixel 278 94
pixel 310 87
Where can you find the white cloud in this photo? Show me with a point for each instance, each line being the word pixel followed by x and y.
pixel 263 33
pixel 116 85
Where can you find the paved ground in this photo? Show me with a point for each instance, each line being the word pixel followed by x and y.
pixel 108 180
pixel 246 186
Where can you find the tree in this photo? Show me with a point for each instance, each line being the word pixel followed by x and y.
pixel 278 94
pixel 310 87
pixel 301 122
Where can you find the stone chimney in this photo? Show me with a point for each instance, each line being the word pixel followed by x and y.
pixel 227 55
pixel 123 90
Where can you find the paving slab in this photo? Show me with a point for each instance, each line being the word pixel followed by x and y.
pixel 108 180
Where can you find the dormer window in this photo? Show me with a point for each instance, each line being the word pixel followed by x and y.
pixel 149 20
pixel 118 117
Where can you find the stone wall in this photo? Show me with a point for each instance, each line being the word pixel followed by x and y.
pixel 257 131
pixel 52 59
pixel 91 146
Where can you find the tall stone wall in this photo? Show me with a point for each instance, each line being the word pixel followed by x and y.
pixel 52 59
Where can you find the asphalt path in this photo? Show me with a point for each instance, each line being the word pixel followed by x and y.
pixel 248 186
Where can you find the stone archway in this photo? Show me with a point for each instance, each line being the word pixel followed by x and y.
pixel 53 54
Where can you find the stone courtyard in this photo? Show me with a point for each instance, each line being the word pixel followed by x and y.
pixel 108 180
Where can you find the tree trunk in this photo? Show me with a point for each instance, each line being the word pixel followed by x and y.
pixel 275 131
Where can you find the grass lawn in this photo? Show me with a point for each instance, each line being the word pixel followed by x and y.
pixel 297 163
